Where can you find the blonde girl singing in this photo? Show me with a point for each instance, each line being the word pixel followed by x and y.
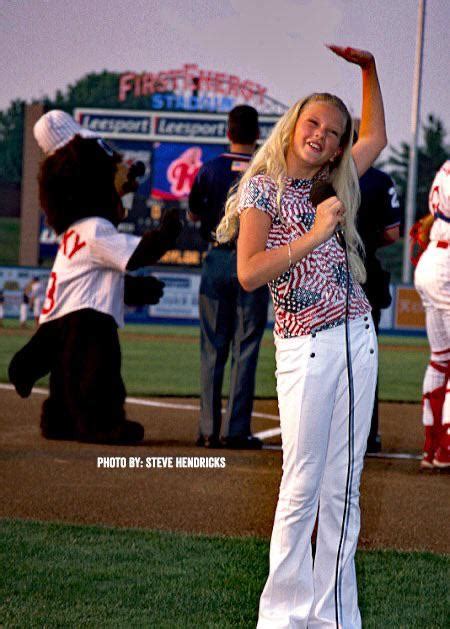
pixel 286 242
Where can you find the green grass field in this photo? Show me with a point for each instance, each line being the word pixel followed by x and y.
pixel 57 575
pixel 165 360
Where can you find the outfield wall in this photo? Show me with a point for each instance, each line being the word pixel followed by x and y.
pixel 180 301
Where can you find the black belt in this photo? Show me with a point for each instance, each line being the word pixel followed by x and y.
pixel 442 216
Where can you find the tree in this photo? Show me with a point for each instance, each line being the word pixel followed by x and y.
pixel 11 138
pixel 97 89
pixel 431 155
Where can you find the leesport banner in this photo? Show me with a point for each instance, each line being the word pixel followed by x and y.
pixel 163 127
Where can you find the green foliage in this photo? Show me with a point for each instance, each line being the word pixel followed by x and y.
pixel 431 155
pixel 11 139
pixel 58 575
pixel 97 89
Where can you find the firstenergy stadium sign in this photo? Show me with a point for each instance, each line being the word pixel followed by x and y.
pixel 191 88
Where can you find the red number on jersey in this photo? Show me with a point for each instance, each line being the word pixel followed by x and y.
pixel 50 295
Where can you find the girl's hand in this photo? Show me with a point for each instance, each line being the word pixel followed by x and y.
pixel 329 213
pixel 361 58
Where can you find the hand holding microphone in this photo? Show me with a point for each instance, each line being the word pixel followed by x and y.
pixel 329 213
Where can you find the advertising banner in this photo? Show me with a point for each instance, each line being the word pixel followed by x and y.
pixel 14 280
pixel 175 167
pixel 180 300
pixel 409 312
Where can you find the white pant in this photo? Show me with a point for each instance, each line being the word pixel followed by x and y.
pixel 314 415
pixel 23 312
pixel 432 281
pixel 37 306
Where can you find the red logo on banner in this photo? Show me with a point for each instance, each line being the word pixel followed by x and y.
pixel 181 172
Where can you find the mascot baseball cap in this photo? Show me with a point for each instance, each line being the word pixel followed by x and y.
pixel 56 128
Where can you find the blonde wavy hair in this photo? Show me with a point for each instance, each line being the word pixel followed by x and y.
pixel 270 159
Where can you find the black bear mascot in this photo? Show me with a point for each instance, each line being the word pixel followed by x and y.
pixel 81 181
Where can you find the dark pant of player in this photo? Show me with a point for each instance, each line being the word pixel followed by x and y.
pixel 373 442
pixel 229 317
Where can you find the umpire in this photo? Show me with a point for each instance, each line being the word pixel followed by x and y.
pixel 378 223
pixel 229 316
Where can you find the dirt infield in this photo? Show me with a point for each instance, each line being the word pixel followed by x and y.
pixel 61 481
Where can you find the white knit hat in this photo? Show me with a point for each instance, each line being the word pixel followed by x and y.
pixel 55 129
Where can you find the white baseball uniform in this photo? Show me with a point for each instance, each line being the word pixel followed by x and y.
pixel 88 271
pixel 432 281
pixel 23 313
pixel 323 441
pixel 37 297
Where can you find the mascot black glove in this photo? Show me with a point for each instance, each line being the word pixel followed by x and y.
pixel 141 291
pixel 155 243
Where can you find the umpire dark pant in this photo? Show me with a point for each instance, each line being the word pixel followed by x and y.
pixel 376 316
pixel 229 317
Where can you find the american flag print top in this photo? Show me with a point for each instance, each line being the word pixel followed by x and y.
pixel 310 296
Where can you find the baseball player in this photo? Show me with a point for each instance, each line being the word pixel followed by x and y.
pixel 2 308
pixel 37 293
pixel 432 281
pixel 23 313
pixel 229 316
pixel 378 224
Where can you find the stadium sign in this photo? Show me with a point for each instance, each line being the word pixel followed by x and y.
pixel 168 127
pixel 191 88
pixel 135 125
pixel 191 103
pixel 182 127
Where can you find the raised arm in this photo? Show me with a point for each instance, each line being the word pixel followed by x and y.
pixel 372 133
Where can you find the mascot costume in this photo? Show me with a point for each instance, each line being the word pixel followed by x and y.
pixel 81 181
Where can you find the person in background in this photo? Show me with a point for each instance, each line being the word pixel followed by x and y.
pixel 23 314
pixel 37 293
pixel 229 316
pixel 2 306
pixel 432 281
pixel 378 224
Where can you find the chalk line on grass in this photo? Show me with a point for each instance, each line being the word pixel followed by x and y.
pixel 152 403
pixel 263 434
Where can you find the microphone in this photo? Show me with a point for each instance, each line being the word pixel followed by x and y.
pixel 321 191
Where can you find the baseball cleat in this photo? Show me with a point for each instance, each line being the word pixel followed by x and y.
pixel 426 464
pixel 441 459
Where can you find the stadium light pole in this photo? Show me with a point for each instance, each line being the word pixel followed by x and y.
pixel 412 167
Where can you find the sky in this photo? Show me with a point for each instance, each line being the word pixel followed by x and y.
pixel 47 44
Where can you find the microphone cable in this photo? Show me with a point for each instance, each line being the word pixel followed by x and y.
pixel 351 451
pixel 320 191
